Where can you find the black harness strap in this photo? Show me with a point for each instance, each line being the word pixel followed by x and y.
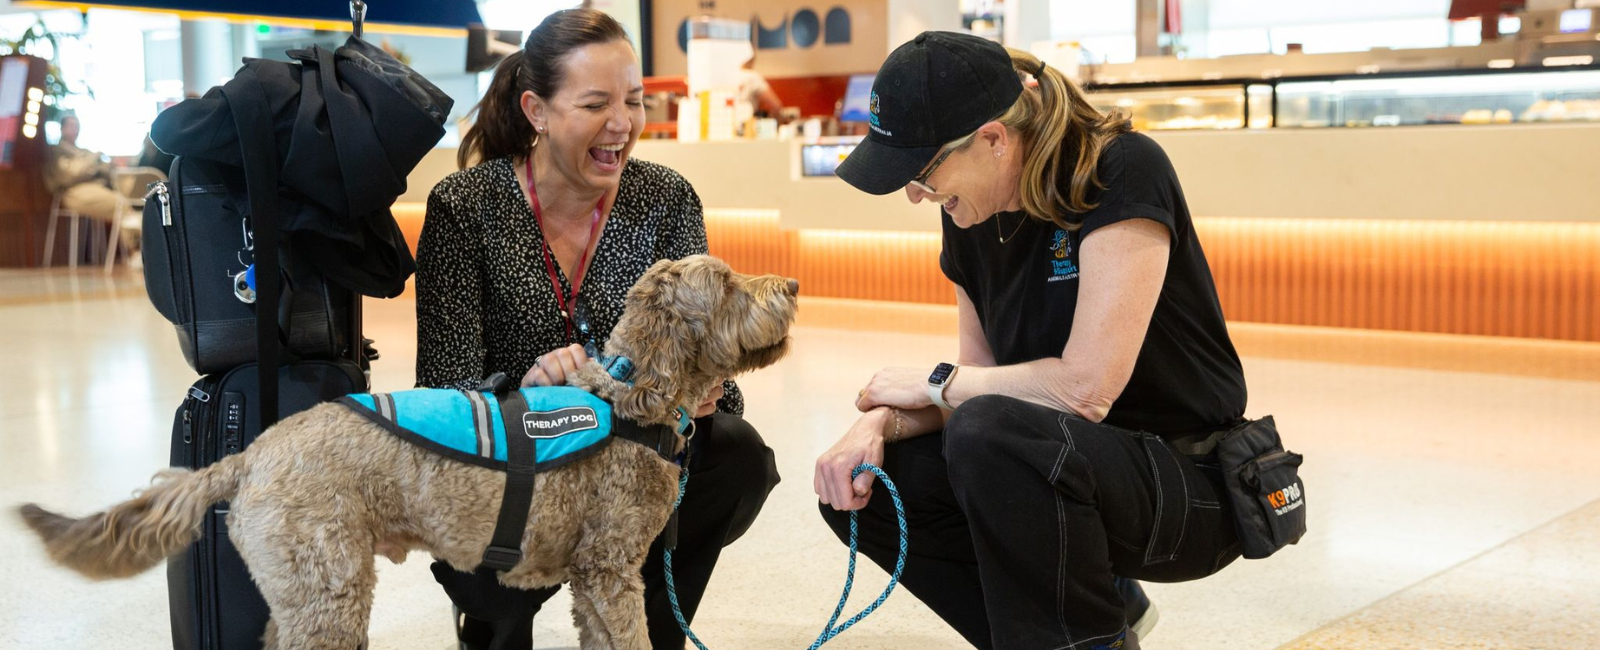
pixel 505 547
pixel 659 437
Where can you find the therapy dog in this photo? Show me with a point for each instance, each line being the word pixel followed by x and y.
pixel 319 495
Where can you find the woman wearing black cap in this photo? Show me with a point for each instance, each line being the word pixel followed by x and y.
pixel 1093 354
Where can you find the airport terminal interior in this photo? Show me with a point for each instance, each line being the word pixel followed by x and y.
pixel 1396 200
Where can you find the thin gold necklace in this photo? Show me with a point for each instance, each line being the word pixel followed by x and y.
pixel 1014 231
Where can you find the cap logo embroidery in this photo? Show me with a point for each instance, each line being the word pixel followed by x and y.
pixel 872 120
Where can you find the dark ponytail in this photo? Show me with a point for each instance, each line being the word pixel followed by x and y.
pixel 501 129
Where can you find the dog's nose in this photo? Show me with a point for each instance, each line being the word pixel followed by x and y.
pixel 794 287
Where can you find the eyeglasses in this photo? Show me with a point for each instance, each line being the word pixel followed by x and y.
pixel 921 181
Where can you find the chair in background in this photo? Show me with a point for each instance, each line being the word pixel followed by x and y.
pixel 57 213
pixel 131 185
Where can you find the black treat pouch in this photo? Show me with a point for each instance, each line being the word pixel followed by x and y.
pixel 1264 487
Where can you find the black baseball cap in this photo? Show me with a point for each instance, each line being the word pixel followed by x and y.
pixel 937 88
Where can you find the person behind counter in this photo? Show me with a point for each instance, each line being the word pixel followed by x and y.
pixel 754 88
pixel 1088 317
pixel 543 236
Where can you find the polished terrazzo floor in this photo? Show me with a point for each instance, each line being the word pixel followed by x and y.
pixel 1448 509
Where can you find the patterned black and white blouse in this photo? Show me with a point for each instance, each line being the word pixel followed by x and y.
pixel 484 300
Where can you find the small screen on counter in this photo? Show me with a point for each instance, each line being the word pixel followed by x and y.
pixel 822 159
pixel 1576 20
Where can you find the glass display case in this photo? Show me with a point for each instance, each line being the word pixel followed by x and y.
pixel 1473 96
pixel 1483 98
pixel 1159 107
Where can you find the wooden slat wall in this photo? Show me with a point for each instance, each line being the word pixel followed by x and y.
pixel 1522 279
pixel 898 266
pixel 1525 279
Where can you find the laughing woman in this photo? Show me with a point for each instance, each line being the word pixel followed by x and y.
pixel 526 257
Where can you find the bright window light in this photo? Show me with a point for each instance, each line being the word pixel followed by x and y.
pixel 1557 61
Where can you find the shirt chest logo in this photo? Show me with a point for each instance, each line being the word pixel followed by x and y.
pixel 1062 266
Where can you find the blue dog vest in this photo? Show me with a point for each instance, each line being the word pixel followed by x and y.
pixel 520 432
pixel 565 424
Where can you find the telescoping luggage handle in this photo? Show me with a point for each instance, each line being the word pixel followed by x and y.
pixel 358 15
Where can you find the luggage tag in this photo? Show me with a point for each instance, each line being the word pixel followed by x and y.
pixel 244 285
pixel 244 282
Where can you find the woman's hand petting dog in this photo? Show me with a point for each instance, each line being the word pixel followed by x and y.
pixel 552 368
pixel 862 444
pixel 710 405
pixel 903 388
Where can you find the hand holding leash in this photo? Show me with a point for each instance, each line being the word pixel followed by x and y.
pixel 834 482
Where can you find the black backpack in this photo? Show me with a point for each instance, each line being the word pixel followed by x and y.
pixel 197 251
pixel 290 167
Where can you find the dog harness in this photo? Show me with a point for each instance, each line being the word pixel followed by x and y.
pixel 521 432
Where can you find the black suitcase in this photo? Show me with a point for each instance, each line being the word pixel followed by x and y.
pixel 214 604
pixel 197 239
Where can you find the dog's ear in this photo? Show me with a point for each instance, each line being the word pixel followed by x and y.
pixel 723 347
pixel 666 319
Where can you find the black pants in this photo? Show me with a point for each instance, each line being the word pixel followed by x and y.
pixel 1019 516
pixel 731 471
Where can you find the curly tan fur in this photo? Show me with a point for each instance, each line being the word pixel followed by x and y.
pixel 322 492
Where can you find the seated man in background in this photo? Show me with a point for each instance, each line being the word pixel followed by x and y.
pixel 80 176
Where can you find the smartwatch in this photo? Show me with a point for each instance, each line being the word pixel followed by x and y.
pixel 942 374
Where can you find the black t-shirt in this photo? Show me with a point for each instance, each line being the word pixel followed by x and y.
pixel 1187 378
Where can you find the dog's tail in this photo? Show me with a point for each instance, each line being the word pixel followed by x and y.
pixel 138 534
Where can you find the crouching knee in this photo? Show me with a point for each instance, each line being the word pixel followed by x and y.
pixel 742 456
pixel 974 429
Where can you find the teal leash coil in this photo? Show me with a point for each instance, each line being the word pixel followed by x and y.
pixel 828 631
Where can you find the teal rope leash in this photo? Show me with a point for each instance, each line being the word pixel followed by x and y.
pixel 828 631
pixel 666 561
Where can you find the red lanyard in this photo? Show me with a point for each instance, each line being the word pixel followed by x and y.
pixel 563 301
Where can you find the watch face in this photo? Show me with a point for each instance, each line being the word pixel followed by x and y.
pixel 941 374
